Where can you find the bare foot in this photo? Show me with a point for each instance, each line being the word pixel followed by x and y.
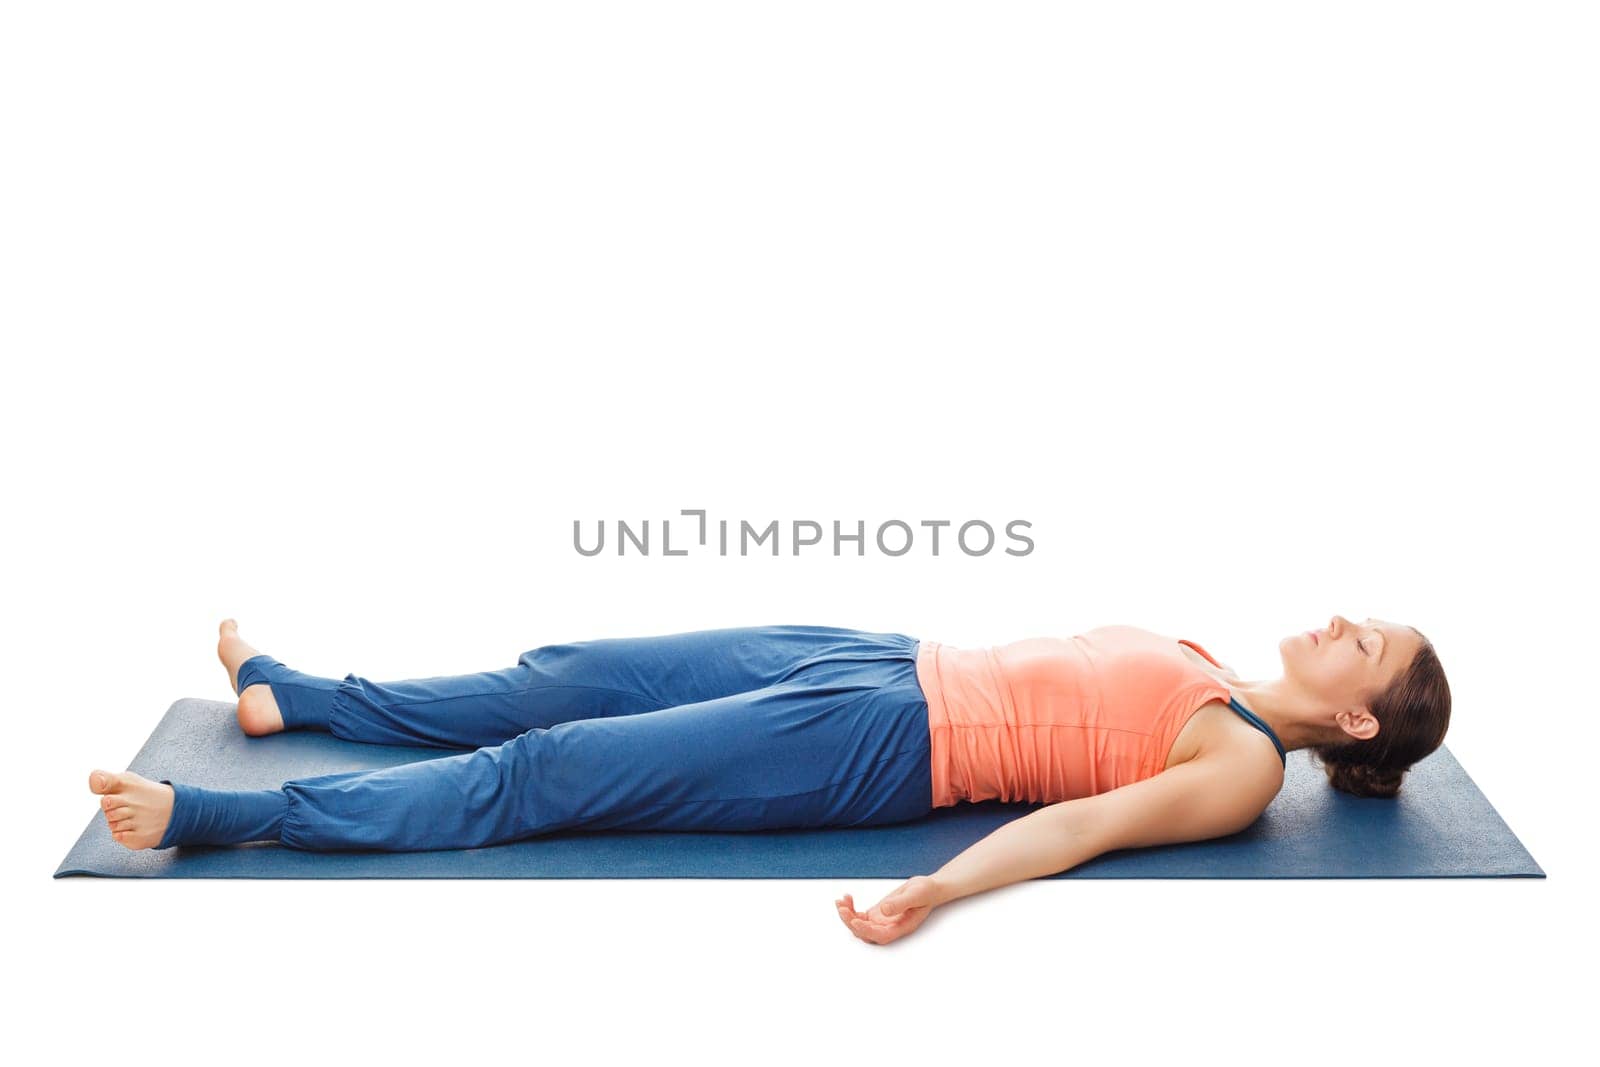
pixel 136 808
pixel 258 710
pixel 232 651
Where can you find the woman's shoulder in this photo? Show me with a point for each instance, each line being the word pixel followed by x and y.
pixel 1221 735
pixel 1222 789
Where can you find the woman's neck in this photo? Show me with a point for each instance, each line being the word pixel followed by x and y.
pixel 1298 719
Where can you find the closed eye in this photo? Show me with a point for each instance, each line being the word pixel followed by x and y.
pixel 1362 647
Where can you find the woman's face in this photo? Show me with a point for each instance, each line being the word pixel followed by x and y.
pixel 1349 663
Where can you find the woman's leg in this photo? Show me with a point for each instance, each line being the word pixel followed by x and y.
pixel 449 711
pixel 560 683
pixel 850 749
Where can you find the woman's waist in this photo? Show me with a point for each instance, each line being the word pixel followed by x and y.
pixel 961 689
pixel 963 686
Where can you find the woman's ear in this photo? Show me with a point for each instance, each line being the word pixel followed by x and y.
pixel 1358 722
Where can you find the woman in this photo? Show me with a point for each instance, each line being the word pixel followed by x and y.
pixel 1129 738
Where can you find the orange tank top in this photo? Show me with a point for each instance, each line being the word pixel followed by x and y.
pixel 1049 719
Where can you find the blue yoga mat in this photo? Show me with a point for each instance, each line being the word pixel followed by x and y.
pixel 1440 826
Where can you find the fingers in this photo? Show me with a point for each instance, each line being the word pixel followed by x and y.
pixel 860 925
pixel 848 916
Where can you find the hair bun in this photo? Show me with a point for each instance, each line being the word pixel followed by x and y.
pixel 1365 780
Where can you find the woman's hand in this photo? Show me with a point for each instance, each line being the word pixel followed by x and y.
pixel 895 916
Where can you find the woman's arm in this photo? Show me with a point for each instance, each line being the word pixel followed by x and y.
pixel 1041 842
pixel 1215 794
pixel 1209 796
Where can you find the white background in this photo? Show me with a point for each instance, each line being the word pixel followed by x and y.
pixel 333 317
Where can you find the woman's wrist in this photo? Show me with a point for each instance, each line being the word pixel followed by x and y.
pixel 943 890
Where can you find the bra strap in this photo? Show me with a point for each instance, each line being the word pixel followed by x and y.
pixel 1253 720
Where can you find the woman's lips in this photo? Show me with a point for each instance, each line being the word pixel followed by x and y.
pixel 1315 640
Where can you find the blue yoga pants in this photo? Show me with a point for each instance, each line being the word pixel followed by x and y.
pixel 747 728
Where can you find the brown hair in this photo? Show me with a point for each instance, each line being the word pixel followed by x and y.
pixel 1413 715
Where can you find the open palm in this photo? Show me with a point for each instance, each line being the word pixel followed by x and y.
pixel 893 917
